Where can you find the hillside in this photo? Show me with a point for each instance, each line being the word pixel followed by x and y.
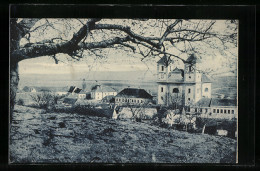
pixel 39 137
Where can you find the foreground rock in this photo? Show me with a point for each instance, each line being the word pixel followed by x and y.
pixel 36 137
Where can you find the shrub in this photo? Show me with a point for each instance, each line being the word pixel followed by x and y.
pixel 43 100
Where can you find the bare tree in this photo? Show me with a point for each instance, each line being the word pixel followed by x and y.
pixel 79 38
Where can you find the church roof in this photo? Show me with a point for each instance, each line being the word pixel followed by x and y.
pixel 176 75
pixel 205 79
pixel 134 92
pixel 208 102
pixel 165 60
pixel 193 59
pixel 176 70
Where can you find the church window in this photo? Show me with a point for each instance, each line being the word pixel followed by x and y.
pixel 188 99
pixel 161 89
pixel 162 68
pixel 206 89
pixel 189 77
pixel 189 90
pixel 189 68
pixel 162 97
pixel 175 90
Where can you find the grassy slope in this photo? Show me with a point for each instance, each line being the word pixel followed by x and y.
pixel 50 138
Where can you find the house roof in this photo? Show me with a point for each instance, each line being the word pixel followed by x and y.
pixel 83 92
pixel 165 60
pixel 71 89
pixel 209 102
pixel 99 88
pixel 69 100
pixel 205 79
pixel 134 92
pixel 77 90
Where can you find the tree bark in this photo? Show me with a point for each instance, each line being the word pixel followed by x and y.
pixel 14 80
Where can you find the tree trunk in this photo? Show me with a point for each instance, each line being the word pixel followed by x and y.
pixel 14 80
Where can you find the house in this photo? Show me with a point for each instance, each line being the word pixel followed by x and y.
pixel 77 92
pixel 216 107
pixel 133 96
pixel 29 89
pixel 98 92
pixel 186 85
pixel 82 94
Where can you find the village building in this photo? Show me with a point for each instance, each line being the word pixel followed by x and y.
pixel 29 89
pixel 98 92
pixel 82 94
pixel 186 85
pixel 216 106
pixel 133 96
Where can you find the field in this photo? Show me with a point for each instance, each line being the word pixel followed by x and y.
pixel 40 137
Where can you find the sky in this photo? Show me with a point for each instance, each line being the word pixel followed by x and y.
pixel 113 60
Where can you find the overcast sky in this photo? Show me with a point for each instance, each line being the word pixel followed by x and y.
pixel 114 60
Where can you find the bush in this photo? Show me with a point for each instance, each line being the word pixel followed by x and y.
pixel 43 100
pixel 20 102
pixel 85 110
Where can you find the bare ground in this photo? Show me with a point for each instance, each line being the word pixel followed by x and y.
pixel 39 137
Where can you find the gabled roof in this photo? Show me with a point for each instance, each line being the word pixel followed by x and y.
pixel 77 90
pixel 209 102
pixel 165 60
pixel 205 79
pixel 134 92
pixel 99 88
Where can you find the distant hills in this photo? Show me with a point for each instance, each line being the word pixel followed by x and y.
pixel 95 75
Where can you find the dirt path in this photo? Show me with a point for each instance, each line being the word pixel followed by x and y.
pixel 71 138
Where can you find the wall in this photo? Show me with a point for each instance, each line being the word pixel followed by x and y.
pixel 206 94
pixel 131 101
pixel 100 95
pixel 162 94
pixel 189 95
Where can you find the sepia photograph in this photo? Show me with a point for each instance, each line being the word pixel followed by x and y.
pixel 129 90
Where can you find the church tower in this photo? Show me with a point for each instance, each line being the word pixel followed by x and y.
pixel 188 85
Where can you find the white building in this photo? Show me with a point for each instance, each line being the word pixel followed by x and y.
pixel 98 92
pixel 133 96
pixel 216 107
pixel 188 85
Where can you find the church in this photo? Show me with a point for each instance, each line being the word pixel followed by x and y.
pixel 181 86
